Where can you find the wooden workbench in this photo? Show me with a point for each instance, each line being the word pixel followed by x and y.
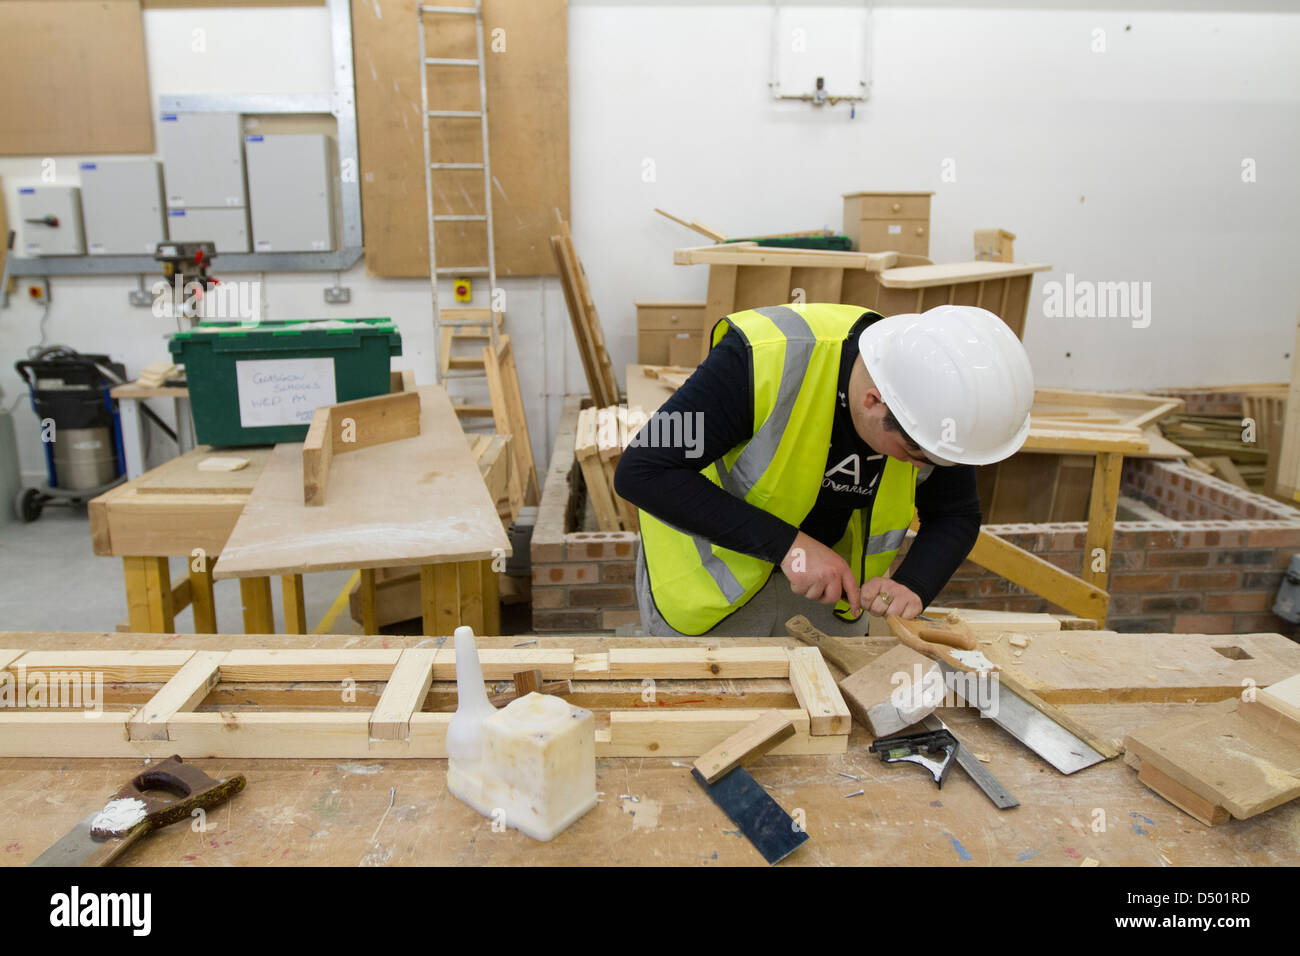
pixel 417 501
pixel 336 812
pixel 176 510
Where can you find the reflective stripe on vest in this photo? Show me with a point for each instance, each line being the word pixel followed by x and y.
pixel 796 358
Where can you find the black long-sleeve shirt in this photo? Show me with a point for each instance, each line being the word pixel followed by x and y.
pixel 666 481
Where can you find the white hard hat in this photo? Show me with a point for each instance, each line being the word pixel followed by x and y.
pixel 956 378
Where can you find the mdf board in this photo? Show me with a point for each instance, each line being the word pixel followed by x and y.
pixel 73 78
pixel 528 128
pixel 416 501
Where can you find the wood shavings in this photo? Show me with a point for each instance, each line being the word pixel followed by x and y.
pixel 1018 640
pixel 1089 861
pixel 982 758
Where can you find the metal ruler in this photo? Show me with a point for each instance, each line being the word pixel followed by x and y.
pixel 975 769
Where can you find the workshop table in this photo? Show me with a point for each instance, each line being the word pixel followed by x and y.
pixel 176 510
pixel 650 811
pixel 129 397
pixel 414 502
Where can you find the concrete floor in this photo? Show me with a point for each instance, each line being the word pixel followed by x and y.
pixel 51 580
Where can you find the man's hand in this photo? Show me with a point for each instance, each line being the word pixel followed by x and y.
pixel 881 596
pixel 819 574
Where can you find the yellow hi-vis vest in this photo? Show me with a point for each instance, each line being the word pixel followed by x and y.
pixel 796 367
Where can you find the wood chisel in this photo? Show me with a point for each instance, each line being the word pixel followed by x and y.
pixel 1042 728
pixel 134 812
pixel 769 828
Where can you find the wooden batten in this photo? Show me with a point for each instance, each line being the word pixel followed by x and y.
pixel 352 426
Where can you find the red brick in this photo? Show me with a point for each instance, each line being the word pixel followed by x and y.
pixel 1203 623
pixel 1128 541
pixel 543 552
pixel 1268 581
pixel 613 619
pixel 1178 559
pixel 601 597
pixel 1158 603
pixel 1148 582
pixel 1239 557
pixel 566 573
pixel 1261 623
pixel 600 545
pixel 566 620
pixel 1065 540
pixel 618 572
pixel 1209 580
pixel 1239 601
pixel 546 598
pixel 1275 537
pixel 1124 604
pixel 1066 561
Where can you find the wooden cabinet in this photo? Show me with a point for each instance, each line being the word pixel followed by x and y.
pixel 888 222
pixel 670 333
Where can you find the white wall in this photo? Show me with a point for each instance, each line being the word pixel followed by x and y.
pixel 1122 165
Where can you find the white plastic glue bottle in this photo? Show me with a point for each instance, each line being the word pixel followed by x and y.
pixel 530 765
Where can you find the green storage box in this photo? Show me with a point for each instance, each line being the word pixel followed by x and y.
pixel 259 384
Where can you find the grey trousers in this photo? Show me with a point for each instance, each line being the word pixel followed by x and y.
pixel 763 616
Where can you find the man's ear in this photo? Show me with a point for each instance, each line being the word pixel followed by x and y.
pixel 872 397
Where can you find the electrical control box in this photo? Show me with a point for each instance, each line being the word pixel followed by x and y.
pixel 291 191
pixel 203 159
pixel 122 204
pixel 227 228
pixel 51 218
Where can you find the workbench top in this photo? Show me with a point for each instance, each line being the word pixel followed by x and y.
pixel 335 812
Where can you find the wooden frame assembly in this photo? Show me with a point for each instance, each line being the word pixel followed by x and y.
pixel 397 726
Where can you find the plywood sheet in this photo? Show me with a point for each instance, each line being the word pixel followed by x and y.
pixel 73 78
pixel 1090 667
pixel 528 128
pixel 419 500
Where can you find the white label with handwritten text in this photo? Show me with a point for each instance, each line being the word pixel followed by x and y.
pixel 283 392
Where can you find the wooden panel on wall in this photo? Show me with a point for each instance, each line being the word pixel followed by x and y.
pixel 73 78
pixel 528 127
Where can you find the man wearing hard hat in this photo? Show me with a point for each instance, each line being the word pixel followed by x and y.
pixel 825 429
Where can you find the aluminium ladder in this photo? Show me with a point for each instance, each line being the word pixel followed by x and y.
pixel 453 324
